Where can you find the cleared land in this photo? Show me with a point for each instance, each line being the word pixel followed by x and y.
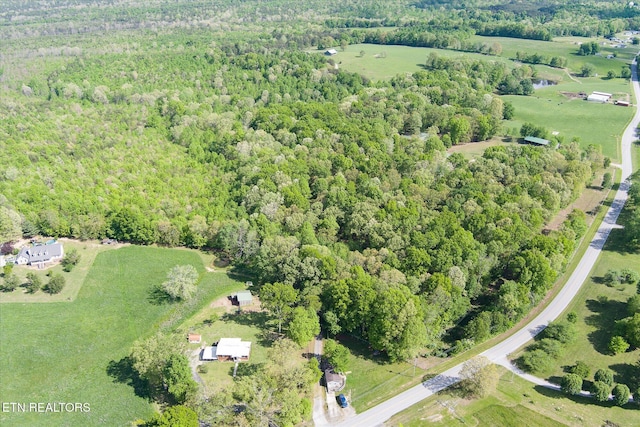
pixel 74 279
pixel 598 307
pixel 516 402
pixel 66 348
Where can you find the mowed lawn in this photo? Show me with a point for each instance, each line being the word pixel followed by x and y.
pixel 59 352
pixel 592 123
pixel 599 307
pixel 516 402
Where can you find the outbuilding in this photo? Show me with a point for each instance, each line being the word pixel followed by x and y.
pixel 194 338
pixel 244 298
pixel 536 141
pixel 330 52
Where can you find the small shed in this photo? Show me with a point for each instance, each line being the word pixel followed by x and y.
pixel 244 298
pixel 333 381
pixel 330 52
pixel 194 338
pixel 623 103
pixel 536 141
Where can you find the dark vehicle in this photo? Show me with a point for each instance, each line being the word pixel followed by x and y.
pixel 342 401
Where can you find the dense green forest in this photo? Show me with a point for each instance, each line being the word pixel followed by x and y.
pixel 211 125
pixel 269 154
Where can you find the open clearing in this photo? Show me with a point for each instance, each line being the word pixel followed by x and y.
pixel 515 403
pixel 65 348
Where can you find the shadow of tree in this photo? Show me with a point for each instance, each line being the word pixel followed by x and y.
pixel 361 348
pixel 626 373
pixel 245 369
pixel 157 296
pixel 122 372
pixel 604 319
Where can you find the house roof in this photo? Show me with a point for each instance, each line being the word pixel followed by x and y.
pixel 244 296
pixel 233 347
pixel 598 98
pixel 41 253
pixel 209 353
pixel 534 140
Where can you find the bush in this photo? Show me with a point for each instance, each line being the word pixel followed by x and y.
pixel 572 317
pixel 560 331
pixel 571 384
pixel 70 260
pixel 604 376
pixel 34 282
pixel 203 369
pixel 600 391
pixel 581 369
pixel 618 345
pixel 10 283
pixel 612 277
pixel 553 348
pixel 630 276
pixel 621 394
pixel 55 285
pixel 535 361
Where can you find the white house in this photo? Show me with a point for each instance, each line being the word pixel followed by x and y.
pixel 40 254
pixel 228 349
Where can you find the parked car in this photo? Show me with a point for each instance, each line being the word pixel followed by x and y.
pixel 342 401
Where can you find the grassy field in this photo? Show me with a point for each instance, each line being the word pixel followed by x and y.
pixel 74 279
pixel 592 123
pixel 60 352
pixel 515 403
pixel 598 307
pixel 217 321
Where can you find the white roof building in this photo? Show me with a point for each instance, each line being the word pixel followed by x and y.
pixel 228 349
pixel 598 98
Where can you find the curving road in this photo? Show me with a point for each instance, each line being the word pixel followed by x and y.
pixel 498 354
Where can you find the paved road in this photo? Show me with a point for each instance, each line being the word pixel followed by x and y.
pixel 498 353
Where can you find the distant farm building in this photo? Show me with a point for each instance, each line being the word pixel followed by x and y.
pixel 536 141
pixel 244 298
pixel 228 349
pixel 623 103
pixel 330 52
pixel 194 338
pixel 40 254
pixel 601 97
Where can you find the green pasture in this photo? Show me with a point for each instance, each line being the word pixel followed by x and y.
pixel 60 352
pixel 598 307
pixel 381 62
pixel 592 123
pixel 567 47
pixel 516 402
pixel 74 279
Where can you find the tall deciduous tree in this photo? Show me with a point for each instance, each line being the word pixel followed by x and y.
pixel 304 325
pixel 278 298
pixel 479 376
pixel 571 384
pixel 397 325
pixel 337 355
pixel 181 282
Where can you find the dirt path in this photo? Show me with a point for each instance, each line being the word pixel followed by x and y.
pixel 570 76
pixel 194 362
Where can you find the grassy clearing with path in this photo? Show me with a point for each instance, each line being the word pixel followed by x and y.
pixel 60 352
pixel 516 402
pixel 599 307
pixel 74 279
pixel 217 321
